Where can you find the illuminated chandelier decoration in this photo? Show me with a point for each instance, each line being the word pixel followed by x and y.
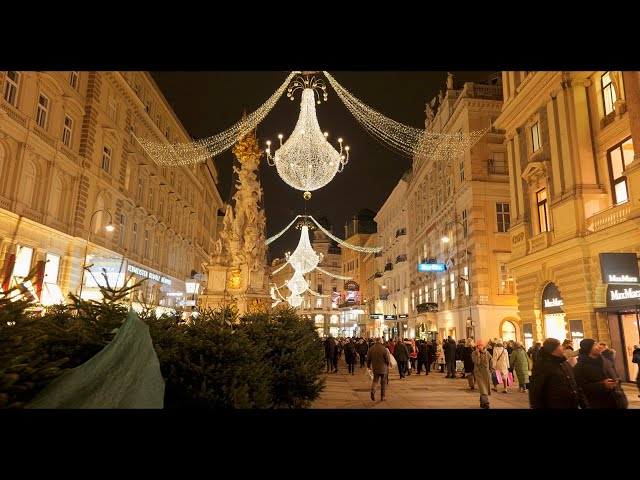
pixel 174 154
pixel 304 259
pixel 307 161
pixel 297 284
pixel 409 141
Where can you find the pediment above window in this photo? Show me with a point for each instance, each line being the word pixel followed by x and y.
pixel 536 173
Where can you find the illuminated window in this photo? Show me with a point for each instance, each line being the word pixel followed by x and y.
pixel 51 269
pixel 23 261
pixel 503 217
pixel 507 282
pixel 452 286
pixel 67 131
pixel 535 137
pixel 11 85
pixel 419 296
pixel 508 332
pixel 620 157
pixel 543 210
pixel 435 292
pixel 319 303
pixel 42 111
pixel 608 93
pixel 106 158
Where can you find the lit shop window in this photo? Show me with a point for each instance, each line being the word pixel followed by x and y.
pixel 23 261
pixel 51 269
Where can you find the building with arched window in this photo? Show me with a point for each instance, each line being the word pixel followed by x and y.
pixel 70 164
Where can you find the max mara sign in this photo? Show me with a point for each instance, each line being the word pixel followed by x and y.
pixel 551 300
pixel 619 267
pixel 623 295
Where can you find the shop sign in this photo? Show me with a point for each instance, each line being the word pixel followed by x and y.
pixel 176 294
pixel 390 317
pixel 623 295
pixel 148 274
pixel 403 315
pixel 527 329
pixel 375 316
pixel 431 267
pixel 619 268
pixel 112 267
pixel 552 300
pixel 577 330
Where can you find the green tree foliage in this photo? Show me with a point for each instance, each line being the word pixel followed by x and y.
pixel 291 348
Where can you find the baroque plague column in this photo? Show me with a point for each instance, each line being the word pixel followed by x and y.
pixel 237 271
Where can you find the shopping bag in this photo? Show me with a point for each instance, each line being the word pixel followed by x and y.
pixel 370 373
pixel 459 366
pixel 498 377
pixel 509 379
pixel 392 361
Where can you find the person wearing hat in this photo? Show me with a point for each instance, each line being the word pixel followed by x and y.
pixel 483 364
pixel 501 360
pixel 636 360
pixel 552 383
pixel 597 377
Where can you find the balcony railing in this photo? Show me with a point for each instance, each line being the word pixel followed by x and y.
pixel 608 218
pixel 13 113
pixel 402 231
pixel 497 167
pixel 388 266
pixel 401 258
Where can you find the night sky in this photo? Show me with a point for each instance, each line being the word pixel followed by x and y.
pixel 210 102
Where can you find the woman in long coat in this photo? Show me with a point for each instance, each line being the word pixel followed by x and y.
pixel 501 360
pixel 440 356
pixel 483 364
pixel 469 366
pixel 520 363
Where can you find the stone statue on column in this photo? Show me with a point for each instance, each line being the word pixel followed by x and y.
pixel 430 111
pixel 449 81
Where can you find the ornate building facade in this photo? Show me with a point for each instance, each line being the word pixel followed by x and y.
pixel 70 165
pixel 465 199
pixel 575 194
pixel 392 266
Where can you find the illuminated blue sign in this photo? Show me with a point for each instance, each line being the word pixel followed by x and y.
pixel 431 267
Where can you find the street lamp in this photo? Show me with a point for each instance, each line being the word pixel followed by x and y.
pixel 109 228
pixel 446 239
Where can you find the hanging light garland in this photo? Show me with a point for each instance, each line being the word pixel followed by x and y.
pixel 279 234
pixel 175 154
pixel 307 161
pixel 339 277
pixel 346 244
pixel 409 141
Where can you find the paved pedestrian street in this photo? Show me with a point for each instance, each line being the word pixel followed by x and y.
pixel 421 391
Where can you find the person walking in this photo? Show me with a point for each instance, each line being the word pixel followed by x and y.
pixel 483 364
pixel 413 354
pixel 362 349
pixel 459 361
pixel 378 359
pixel 519 360
pixel 450 357
pixel 423 357
pixel 440 360
pixel 597 377
pixel 552 384
pixel 501 360
pixel 350 356
pixel 329 353
pixel 534 353
pixel 401 354
pixel 469 366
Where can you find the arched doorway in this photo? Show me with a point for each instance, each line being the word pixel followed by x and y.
pixel 555 325
pixel 508 331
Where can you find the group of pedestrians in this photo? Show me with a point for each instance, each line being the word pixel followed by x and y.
pixel 552 373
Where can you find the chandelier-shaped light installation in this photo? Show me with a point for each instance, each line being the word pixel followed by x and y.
pixel 304 258
pixel 297 284
pixel 174 154
pixel 407 140
pixel 307 161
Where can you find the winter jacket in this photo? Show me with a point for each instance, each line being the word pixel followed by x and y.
pixel 378 358
pixel 400 352
pixel 423 352
pixel 350 355
pixel 329 347
pixel 590 375
pixel 610 355
pixel 414 353
pixel 483 365
pixel 501 359
pixel 520 363
pixel 362 348
pixel 552 384
pixel 449 351
pixel 466 358
pixel 440 355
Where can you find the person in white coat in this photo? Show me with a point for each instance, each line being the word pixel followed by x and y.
pixel 501 361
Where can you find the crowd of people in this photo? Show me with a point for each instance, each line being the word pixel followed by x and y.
pixel 552 373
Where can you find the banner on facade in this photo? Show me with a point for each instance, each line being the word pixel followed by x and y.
pixel 623 295
pixel 619 268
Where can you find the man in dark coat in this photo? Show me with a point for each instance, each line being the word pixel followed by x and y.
pixel 450 357
pixel 362 349
pixel 329 352
pixel 402 357
pixel 552 384
pixel 378 360
pixel 636 359
pixel 598 378
pixel 423 357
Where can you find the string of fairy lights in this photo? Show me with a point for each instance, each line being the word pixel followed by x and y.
pixel 409 141
pixel 176 154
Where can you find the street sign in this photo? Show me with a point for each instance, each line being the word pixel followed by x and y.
pixel 403 315
pixel 390 317
pixel 431 267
